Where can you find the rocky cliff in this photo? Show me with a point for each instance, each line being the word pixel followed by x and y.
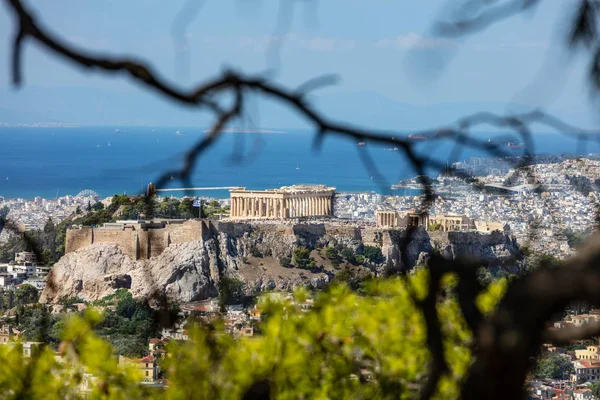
pixel 251 252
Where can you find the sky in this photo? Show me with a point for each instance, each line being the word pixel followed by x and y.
pixel 377 48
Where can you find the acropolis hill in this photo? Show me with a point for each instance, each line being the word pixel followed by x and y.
pixel 185 259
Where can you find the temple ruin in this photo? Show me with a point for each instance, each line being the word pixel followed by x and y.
pixel 285 202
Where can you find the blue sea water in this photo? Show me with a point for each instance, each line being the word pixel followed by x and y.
pixel 50 161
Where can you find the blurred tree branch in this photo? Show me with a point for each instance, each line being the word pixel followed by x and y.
pixel 505 342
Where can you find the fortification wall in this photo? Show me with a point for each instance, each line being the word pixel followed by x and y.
pixel 137 243
pixel 234 229
pixel 309 229
pixel 78 238
pixel 345 231
pixel 126 240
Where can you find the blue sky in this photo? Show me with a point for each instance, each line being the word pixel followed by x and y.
pixel 370 44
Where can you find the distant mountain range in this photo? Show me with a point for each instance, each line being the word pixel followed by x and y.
pixel 90 106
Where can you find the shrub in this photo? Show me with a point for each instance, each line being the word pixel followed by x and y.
pixel 256 253
pixel 331 252
pixel 373 254
pixel 348 255
pixel 285 262
pixel 301 257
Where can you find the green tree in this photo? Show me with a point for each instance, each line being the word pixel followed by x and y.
pixel 373 254
pixel 331 252
pixel 231 291
pixel 596 389
pixel 26 294
pixel 574 239
pixel 348 255
pixel 302 259
pixel 89 207
pixel 78 210
pixel 554 366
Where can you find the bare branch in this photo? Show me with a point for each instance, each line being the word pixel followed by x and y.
pixel 489 16
pixel 566 335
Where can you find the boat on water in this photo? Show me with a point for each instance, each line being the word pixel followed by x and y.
pixel 417 137
pixel 361 143
pixel 109 144
pixel 178 133
pixel 512 145
pixel 297 168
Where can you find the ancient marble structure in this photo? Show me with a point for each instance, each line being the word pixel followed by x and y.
pixel 444 223
pixel 397 219
pixel 285 202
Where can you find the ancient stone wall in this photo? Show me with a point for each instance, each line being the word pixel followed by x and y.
pixel 350 232
pixel 309 229
pixel 138 243
pixel 127 240
pixel 78 238
pixel 234 229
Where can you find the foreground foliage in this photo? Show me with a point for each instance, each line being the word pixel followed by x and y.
pixel 349 346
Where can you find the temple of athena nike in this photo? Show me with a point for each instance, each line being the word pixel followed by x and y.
pixel 285 202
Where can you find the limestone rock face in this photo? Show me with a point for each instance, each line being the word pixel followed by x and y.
pixel 96 271
pixel 182 272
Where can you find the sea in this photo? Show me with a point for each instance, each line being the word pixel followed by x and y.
pixel 54 162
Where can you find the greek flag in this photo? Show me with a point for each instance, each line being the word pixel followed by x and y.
pixel 196 203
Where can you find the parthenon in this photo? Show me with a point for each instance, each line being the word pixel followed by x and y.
pixel 285 202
